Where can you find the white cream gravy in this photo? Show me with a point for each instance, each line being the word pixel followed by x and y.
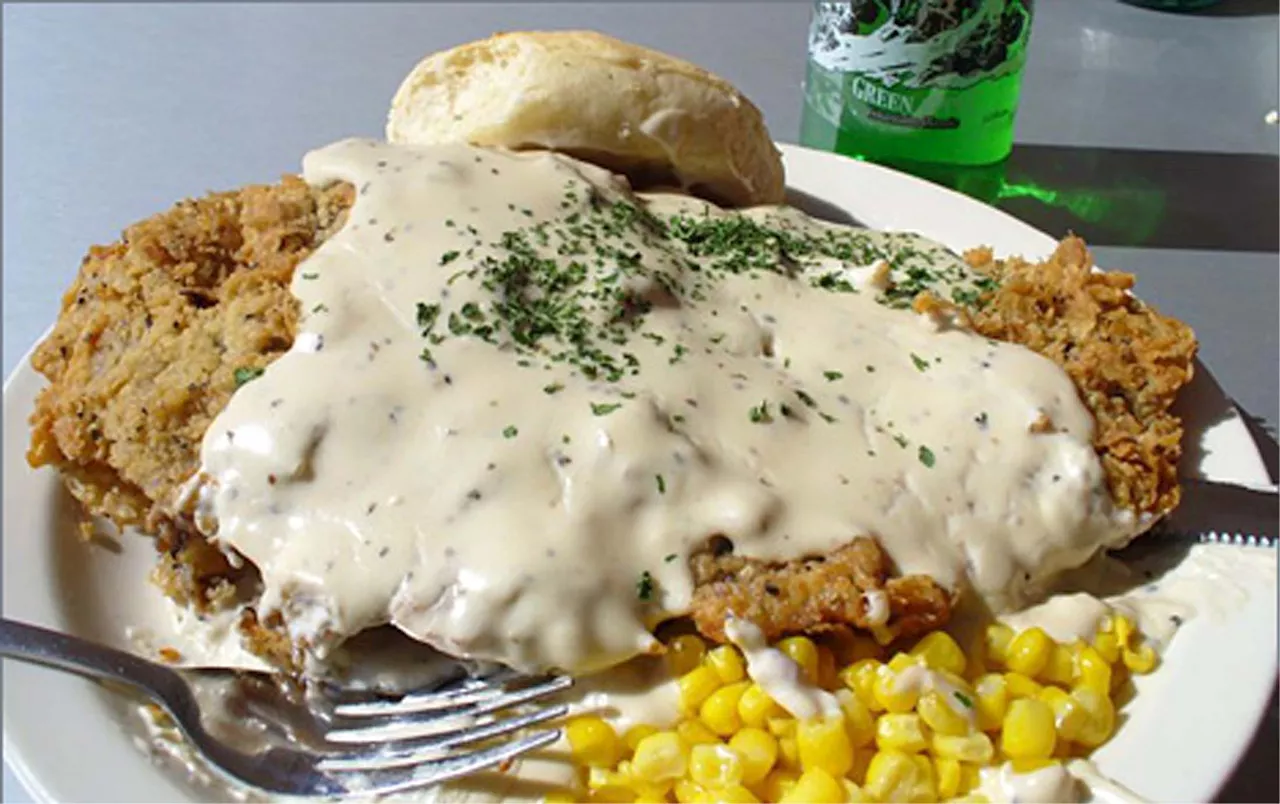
pixel 496 502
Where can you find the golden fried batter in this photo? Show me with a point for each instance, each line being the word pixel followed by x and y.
pixel 814 594
pixel 147 347
pixel 145 351
pixel 1127 360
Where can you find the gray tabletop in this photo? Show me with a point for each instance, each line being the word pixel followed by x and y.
pixel 113 112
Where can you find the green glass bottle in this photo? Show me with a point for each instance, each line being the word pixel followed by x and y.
pixel 915 81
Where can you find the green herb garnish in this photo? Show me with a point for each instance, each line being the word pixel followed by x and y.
pixel 246 374
pixel 926 456
pixel 760 413
pixel 644 586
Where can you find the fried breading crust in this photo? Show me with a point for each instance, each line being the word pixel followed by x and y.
pixel 1127 360
pixel 145 351
pixel 814 595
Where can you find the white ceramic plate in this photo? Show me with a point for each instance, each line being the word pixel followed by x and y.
pixel 69 741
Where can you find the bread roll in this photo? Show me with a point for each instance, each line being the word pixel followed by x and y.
pixel 655 118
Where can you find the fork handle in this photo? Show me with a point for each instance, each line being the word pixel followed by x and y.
pixel 36 645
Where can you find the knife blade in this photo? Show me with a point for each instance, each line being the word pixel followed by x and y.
pixel 1225 513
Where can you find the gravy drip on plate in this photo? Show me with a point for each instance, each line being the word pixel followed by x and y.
pixel 521 395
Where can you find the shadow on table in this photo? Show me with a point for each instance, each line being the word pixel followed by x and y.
pixel 1242 8
pixel 1131 197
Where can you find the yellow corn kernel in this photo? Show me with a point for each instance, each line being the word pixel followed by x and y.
pixel 758 750
pixel 883 634
pixel 900 732
pixel 610 784
pixel 938 715
pixel 947 776
pixel 976 748
pixel 1107 646
pixel 688 792
pixel 782 726
pixel 901 661
pixel 561 797
pixel 998 638
pixel 926 789
pixel 635 734
pixel 1102 716
pixel 650 793
pixel 727 662
pixel 1125 629
pixel 695 732
pixel 645 790
pixel 1093 670
pixel 803 652
pixel 970 778
pixel 696 686
pixel 892 776
pixel 733 794
pixel 860 678
pixel 892 695
pixel 824 743
pixel 1032 765
pixel 684 653
pixel 715 766
pixel 852 793
pixel 940 652
pixel 1028 731
pixel 755 707
pixel 720 710
pixel 1029 652
pixel 858 720
pixel 814 785
pixel 593 742
pixel 660 757
pixel 1061 666
pixel 789 753
pixel 1020 686
pixel 1068 716
pixel 777 784
pixel 1141 660
pixel 991 699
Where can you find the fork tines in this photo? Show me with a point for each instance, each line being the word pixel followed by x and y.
pixel 397 745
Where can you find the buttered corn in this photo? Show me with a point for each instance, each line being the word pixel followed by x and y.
pixel 915 728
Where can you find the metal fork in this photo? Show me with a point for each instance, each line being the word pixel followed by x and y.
pixel 324 741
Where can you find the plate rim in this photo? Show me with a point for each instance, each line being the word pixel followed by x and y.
pixel 1035 243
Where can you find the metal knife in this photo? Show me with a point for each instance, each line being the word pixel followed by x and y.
pixel 1224 513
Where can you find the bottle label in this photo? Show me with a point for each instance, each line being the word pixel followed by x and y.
pixel 898 61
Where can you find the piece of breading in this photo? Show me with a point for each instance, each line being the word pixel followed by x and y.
pixel 813 595
pixel 1127 361
pixel 145 353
